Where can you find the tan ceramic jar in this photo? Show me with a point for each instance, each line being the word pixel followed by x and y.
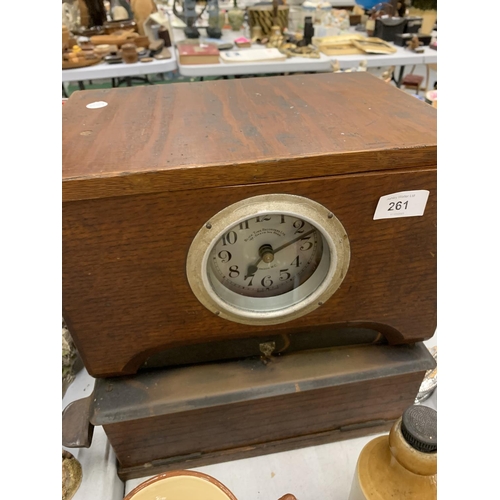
pixel 394 466
pixel 129 53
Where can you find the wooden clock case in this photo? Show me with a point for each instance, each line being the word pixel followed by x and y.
pixel 143 173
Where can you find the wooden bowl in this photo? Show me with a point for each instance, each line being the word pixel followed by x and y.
pixel 82 63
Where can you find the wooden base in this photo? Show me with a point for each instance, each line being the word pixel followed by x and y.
pixel 203 459
pixel 203 414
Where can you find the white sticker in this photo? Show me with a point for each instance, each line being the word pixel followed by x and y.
pixel 403 204
pixel 97 104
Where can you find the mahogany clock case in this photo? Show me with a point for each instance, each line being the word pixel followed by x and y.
pixel 144 173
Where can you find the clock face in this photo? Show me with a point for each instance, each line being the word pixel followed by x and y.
pixel 268 259
pixel 266 256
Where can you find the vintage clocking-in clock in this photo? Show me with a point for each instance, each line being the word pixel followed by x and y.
pixel 147 284
pixel 237 251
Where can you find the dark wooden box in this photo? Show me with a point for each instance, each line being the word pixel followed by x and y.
pixel 186 417
pixel 144 173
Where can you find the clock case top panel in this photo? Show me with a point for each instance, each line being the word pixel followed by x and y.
pixel 243 131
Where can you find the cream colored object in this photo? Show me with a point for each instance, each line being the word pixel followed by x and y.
pixel 352 44
pixel 184 485
pixel 252 56
pixel 157 18
pixel 119 13
pixel 181 488
pixel 388 467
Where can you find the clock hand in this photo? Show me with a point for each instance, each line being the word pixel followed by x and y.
pixel 266 250
pixel 294 240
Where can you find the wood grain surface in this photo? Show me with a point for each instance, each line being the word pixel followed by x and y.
pixel 220 133
pixel 217 457
pixel 298 418
pixel 143 174
pixel 126 294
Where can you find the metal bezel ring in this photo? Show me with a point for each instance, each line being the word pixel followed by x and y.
pixel 334 236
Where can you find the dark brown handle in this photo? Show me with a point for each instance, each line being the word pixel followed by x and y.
pixel 77 431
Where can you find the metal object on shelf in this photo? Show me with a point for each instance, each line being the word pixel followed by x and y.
pixel 429 383
pixel 189 16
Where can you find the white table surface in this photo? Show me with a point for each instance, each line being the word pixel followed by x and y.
pixel 290 65
pixel 121 70
pixel 312 473
pixel 402 57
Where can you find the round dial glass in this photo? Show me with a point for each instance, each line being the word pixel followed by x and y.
pixel 268 259
pixel 266 256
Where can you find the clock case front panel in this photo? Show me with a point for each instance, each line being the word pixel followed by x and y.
pixel 127 297
pixel 143 174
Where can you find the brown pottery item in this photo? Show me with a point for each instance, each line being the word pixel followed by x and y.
pixel 129 53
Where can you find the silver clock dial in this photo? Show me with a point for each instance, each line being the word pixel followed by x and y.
pixel 268 259
pixel 267 255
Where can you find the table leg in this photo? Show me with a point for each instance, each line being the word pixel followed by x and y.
pixel 129 81
pixel 400 77
pixel 64 93
pixel 81 85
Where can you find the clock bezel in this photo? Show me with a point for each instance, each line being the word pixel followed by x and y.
pixel 335 244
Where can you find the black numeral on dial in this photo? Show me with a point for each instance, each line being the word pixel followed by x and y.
pixel 229 238
pixel 233 272
pixel 298 225
pixel 225 256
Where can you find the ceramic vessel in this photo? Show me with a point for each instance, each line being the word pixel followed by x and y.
pixel 402 464
pixel 184 485
pixel 129 53
pixel 235 17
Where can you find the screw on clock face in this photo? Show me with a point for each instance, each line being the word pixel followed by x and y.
pixel 266 252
